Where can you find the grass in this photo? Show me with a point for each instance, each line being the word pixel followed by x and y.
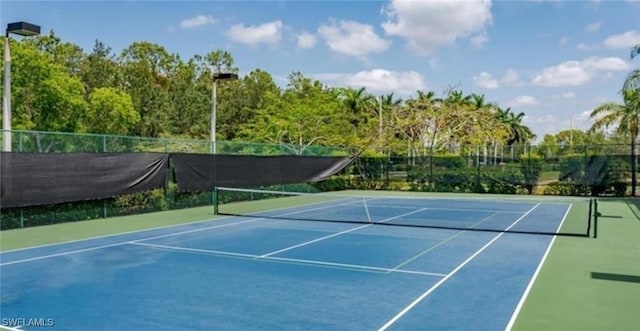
pixel 585 283
pixel 590 284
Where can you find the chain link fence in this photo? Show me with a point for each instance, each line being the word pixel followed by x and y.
pixel 596 170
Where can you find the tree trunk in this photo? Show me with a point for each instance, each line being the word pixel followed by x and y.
pixel 634 166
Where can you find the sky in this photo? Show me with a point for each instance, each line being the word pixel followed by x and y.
pixel 555 61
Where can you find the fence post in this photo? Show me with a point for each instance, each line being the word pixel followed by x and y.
pixel 104 201
pixel 431 183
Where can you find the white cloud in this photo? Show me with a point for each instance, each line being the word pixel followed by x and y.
pixel 266 33
pixel 429 25
pixel 593 27
pixel 564 40
pixel 552 124
pixel 352 38
pixel 485 80
pixel 522 101
pixel 306 40
pixel 574 73
pixel 480 39
pixel 623 40
pixel 587 47
pixel 511 78
pixel 197 21
pixel 563 96
pixel 377 80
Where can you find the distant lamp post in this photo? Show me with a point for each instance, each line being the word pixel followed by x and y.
pixel 217 77
pixel 22 29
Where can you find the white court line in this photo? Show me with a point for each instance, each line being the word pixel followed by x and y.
pixel 196 250
pixel 339 233
pixel 280 259
pixel 535 275
pixel 354 266
pixel 217 219
pixel 451 209
pixel 449 275
pixel 441 243
pixel 154 237
pixel 117 244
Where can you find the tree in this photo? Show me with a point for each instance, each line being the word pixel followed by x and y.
pixel 241 100
pixel 44 96
pixel 100 69
pixel 358 103
pixel 110 112
pixel 626 118
pixel 305 114
pixel 146 71
pixel 633 79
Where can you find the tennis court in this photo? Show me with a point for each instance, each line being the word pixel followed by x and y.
pixel 323 262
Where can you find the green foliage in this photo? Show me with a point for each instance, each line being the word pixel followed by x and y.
pixel 467 180
pixel 531 166
pixel 565 189
pixel 110 111
pixel 449 161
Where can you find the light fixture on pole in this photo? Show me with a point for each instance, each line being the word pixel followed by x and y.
pixel 22 29
pixel 217 77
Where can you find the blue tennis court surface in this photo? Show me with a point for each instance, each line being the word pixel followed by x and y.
pixel 254 273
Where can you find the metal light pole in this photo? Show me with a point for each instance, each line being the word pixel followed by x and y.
pixel 214 102
pixel 21 29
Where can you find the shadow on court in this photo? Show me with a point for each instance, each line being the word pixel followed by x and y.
pixel 615 277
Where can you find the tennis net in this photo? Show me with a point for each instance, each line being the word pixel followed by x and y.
pixel 567 216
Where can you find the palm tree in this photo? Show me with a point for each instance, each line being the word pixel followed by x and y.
pixel 519 134
pixel 627 118
pixel 633 79
pixel 357 102
pixel 387 102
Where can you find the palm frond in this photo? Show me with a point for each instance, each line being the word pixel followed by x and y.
pixel 635 51
pixel 609 107
pixel 632 82
pixel 607 121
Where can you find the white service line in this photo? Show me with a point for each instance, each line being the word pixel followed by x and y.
pixel 195 250
pixel 440 243
pixel 449 275
pixel 535 275
pixel 450 209
pixel 281 259
pixel 339 233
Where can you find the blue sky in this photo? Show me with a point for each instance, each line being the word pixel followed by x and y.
pixel 553 60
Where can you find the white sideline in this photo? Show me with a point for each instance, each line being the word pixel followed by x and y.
pixel 339 233
pixel 280 259
pixel 449 275
pixel 535 275
pixel 157 237
pixel 149 229
pixel 120 243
